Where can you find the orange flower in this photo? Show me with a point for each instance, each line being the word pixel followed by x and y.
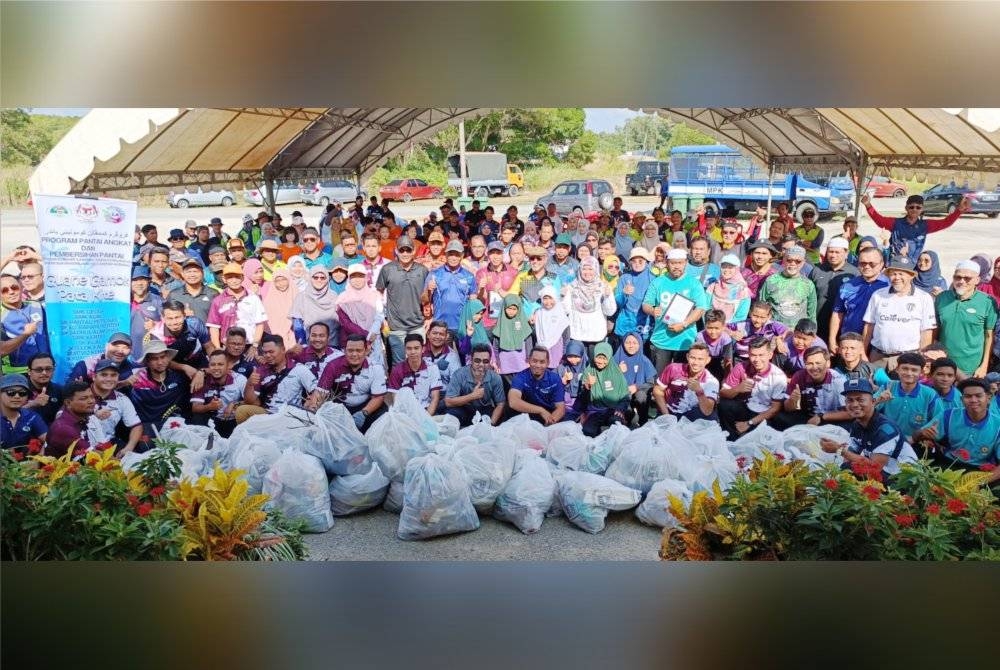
pixel 934 509
pixel 905 520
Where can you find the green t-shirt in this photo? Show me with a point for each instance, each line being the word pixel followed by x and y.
pixel 963 326
pixel 659 294
pixel 792 298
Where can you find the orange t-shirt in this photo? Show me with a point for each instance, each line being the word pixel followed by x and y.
pixel 288 252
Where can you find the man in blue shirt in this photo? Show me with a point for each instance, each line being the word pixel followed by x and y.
pixel 908 233
pixel 538 391
pixel 449 287
pixel 673 333
pixel 18 425
pixel 854 294
pixel 908 403
pixel 968 438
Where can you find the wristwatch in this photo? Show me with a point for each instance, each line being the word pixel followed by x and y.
pixel 364 413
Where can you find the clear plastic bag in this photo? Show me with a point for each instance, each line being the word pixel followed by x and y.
pixel 447 424
pixel 255 455
pixel 654 510
pixel 806 439
pixel 394 498
pixel 297 486
pixel 754 443
pixel 406 402
pixel 393 440
pixel 642 463
pixel 528 495
pixel 356 493
pixel 702 470
pixel 614 439
pixel 563 429
pixel 194 464
pixel 436 500
pixel 179 431
pixel 337 442
pixel 706 437
pixel 291 426
pixel 579 453
pixel 488 467
pixel 526 433
pixel 587 498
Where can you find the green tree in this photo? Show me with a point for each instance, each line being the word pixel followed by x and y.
pixel 28 138
pixel 582 151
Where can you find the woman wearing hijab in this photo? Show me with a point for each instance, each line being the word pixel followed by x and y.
pixel 992 287
pixel 929 273
pixel 570 371
pixel 360 312
pixel 471 327
pixel 278 299
pixel 605 393
pixel 338 275
pixel 580 229
pixel 299 273
pixel 512 337
pixel 551 325
pixel 318 303
pixel 589 302
pixel 730 294
pixel 624 241
pixel 983 261
pixel 253 277
pixel 611 270
pixel 530 236
pixel 629 294
pixel 640 374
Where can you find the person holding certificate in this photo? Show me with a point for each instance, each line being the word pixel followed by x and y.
pixel 676 301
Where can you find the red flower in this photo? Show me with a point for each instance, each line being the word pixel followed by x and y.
pixel 779 457
pixel 871 492
pixel 79 451
pixel 18 456
pixel 996 515
pixel 987 467
pixel 34 446
pixel 956 506
pixel 73 468
pixel 831 484
pixel 907 500
pixel 49 468
pixel 132 500
pixel 978 528
pixel 934 509
pixel 144 509
pixel 963 454
pixel 157 491
pixel 905 520
pixel 104 446
pixel 741 462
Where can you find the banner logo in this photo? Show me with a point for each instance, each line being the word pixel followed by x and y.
pixel 58 210
pixel 86 212
pixel 114 214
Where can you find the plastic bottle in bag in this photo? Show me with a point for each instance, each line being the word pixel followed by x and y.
pixel 436 500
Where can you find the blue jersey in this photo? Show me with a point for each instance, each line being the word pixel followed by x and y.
pixel 454 289
pixel 951 400
pixel 852 301
pixel 911 411
pixel 544 392
pixel 981 439
pixel 28 425
pixel 881 436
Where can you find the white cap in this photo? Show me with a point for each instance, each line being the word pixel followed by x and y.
pixel 677 255
pixel 730 259
pixel 357 269
pixel 639 252
pixel 838 243
pixel 971 266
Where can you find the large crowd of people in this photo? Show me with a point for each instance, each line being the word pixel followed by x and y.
pixel 606 319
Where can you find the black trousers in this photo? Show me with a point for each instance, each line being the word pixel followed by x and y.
pixel 664 357
pixel 599 419
pixel 466 413
pixel 641 401
pixel 732 410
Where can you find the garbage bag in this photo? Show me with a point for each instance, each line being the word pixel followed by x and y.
pixel 579 453
pixel 655 511
pixel 706 437
pixel 445 446
pixel 130 460
pixel 563 429
pixel 405 402
pixel 754 443
pixel 179 431
pixel 526 432
pixel 337 442
pixel 806 439
pixel 587 498
pixel 297 486
pixel 643 463
pixel 447 424
pixel 394 498
pixel 436 499
pixel 194 464
pixel 289 426
pixel 488 468
pixel 255 455
pixel 528 495
pixel 393 440
pixel 702 470
pixel 356 493
pixel 613 439
pixel 481 429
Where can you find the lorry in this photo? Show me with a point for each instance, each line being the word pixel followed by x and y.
pixel 647 178
pixel 729 182
pixel 488 174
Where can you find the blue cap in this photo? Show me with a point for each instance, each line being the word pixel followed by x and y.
pixel 193 260
pixel 105 364
pixel 140 272
pixel 13 381
pixel 859 385
pixel 177 234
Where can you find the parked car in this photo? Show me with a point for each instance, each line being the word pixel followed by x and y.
pixel 409 189
pixel 883 187
pixel 201 198
pixel 326 191
pixel 647 178
pixel 942 199
pixel 286 192
pixel 589 194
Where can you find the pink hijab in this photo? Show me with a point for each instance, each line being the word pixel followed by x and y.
pixel 278 304
pixel 360 305
pixel 249 267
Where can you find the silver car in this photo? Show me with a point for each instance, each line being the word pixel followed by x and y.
pixel 589 194
pixel 326 191
pixel 201 198
pixel 286 192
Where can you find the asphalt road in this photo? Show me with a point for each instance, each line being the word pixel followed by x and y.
pixel 971 235
pixel 371 536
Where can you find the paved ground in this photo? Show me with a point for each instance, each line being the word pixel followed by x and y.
pixel 371 536
pixel 971 235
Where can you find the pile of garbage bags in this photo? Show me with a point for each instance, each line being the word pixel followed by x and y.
pixel 441 479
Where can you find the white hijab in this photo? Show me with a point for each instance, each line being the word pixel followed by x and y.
pixel 550 324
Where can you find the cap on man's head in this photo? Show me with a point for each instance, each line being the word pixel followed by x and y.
pixel 902 263
pixel 808 212
pixel 267 245
pixel 105 364
pixel 404 242
pixel 178 234
pixel 763 244
pixel 455 246
pixel 851 219
pixel 968 266
pixel 858 385
pixel 120 338
pixel 436 236
pixel 795 252
pixel 677 255
pixel 357 269
pixel 993 377
pixel 495 246
pixel 248 218
pixel 297 220
pixel 216 250
pixel 216 221
pixel 13 381
pixel 730 224
pixel 564 239
pixel 192 260
pixel 839 243
pixel 140 272
pixel 235 242
pixel 711 213
pixel 154 347
pixel 263 215
pixel 190 223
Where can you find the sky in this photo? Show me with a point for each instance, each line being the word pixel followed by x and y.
pixel 599 119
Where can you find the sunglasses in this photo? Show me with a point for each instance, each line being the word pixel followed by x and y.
pixel 536 258
pixel 868 264
pixel 793 261
pixel 959 278
pixel 16 394
pixel 10 289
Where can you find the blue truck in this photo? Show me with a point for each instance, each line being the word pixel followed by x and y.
pixel 729 182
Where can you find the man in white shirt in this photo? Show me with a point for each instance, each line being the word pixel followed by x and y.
pixel 753 391
pixel 899 318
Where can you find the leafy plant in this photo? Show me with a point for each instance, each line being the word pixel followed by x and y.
pixel 161 465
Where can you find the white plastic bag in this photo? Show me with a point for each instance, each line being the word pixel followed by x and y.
pixel 806 439
pixel 614 438
pixel 179 431
pixel 356 493
pixel 393 440
pixel 563 429
pixel 579 453
pixel 655 511
pixel 394 498
pixel 481 429
pixel 702 470
pixel 297 486
pixel 289 426
pixel 132 459
pixel 528 495
pixel 447 424
pixel 488 468
pixel 255 455
pixel 194 464
pixel 337 442
pixel 406 402
pixel 706 437
pixel 643 463
pixel 436 500
pixel 527 433
pixel 754 443
pixel 586 498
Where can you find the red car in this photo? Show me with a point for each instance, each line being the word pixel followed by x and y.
pixel 883 187
pixel 409 189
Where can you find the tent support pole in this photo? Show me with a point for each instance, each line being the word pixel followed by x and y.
pixel 269 186
pixel 861 177
pixel 357 180
pixel 770 183
pixel 463 171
